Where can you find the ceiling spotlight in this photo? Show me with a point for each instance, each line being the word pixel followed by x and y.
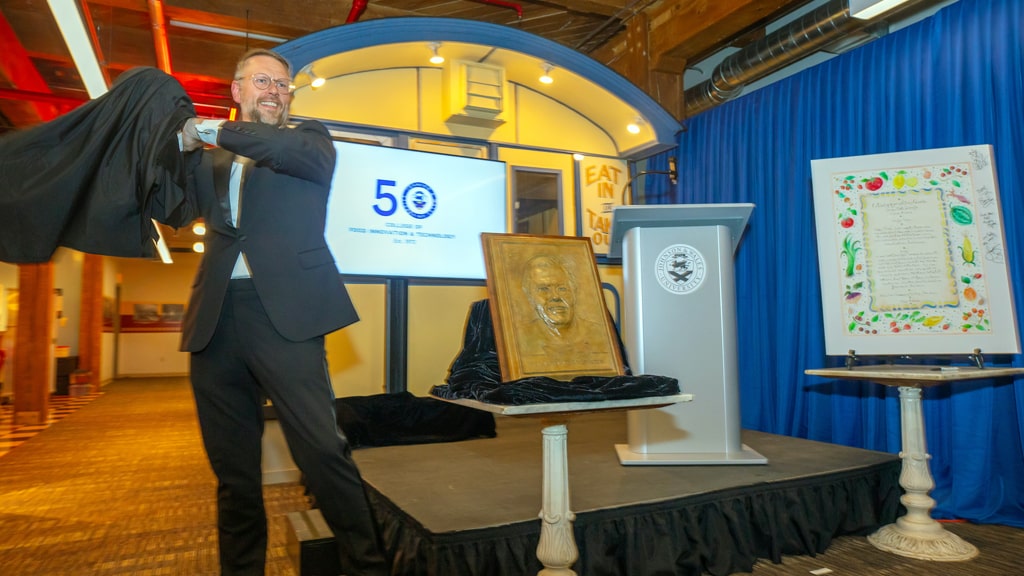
pixel 436 58
pixel 634 126
pixel 546 77
pixel 199 228
pixel 198 247
pixel 314 80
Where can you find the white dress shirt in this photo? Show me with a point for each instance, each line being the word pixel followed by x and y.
pixel 208 131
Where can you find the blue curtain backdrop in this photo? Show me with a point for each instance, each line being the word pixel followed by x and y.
pixel 954 79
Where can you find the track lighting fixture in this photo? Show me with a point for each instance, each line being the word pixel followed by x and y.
pixel 546 77
pixel 436 58
pixel 314 80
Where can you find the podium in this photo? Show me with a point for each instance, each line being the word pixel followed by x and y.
pixel 679 320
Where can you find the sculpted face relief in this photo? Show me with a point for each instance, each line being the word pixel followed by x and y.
pixel 550 290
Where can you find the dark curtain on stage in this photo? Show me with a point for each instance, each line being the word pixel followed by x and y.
pixel 954 79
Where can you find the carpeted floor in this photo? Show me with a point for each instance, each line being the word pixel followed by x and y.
pixel 121 486
pixel 13 435
pixel 1001 553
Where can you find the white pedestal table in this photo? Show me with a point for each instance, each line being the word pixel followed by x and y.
pixel 916 534
pixel 557 549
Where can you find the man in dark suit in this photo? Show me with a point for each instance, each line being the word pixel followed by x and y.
pixel 266 293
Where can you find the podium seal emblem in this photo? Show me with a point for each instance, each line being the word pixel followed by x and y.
pixel 680 269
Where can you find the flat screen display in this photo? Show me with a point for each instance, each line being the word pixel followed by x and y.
pixel 403 213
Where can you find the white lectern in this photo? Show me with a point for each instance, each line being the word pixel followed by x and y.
pixel 679 320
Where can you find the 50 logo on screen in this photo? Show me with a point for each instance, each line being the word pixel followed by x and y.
pixel 418 199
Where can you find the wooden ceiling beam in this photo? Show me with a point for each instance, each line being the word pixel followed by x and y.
pixel 602 7
pixel 209 17
pixel 267 17
pixel 17 67
pixel 690 30
pixel 90 29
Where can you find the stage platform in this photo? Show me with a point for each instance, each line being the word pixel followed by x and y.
pixel 471 507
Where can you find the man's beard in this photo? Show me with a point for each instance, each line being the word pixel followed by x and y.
pixel 257 116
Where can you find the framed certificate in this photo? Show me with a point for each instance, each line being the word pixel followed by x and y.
pixel 912 254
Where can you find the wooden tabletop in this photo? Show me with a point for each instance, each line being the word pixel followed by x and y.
pixel 913 375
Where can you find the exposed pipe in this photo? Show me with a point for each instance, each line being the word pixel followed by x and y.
pixel 811 32
pixel 226 31
pixel 358 7
pixel 160 44
pixel 503 4
pixel 818 29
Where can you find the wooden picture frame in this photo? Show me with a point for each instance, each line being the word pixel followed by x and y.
pixel 548 309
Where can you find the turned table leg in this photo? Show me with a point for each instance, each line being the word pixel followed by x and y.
pixel 557 547
pixel 917 534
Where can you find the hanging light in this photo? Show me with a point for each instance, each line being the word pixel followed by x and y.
pixel 546 77
pixel 436 58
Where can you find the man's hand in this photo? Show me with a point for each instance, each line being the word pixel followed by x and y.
pixel 190 136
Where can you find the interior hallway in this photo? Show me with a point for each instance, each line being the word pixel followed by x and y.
pixel 13 435
pixel 121 486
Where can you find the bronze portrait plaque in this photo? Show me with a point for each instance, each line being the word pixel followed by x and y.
pixel 548 309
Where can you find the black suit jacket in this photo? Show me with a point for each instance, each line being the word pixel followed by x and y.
pixel 280 229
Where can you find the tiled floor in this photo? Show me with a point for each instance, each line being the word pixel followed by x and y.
pixel 12 436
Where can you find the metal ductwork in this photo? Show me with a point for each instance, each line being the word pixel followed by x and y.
pixel 810 33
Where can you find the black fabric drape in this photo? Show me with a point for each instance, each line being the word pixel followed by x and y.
pixel 93 178
pixel 402 418
pixel 476 374
pixel 718 534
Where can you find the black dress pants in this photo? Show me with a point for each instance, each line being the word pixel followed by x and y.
pixel 246 361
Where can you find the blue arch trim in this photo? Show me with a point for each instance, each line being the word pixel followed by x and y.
pixel 368 33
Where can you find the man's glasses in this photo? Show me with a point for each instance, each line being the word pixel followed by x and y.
pixel 262 82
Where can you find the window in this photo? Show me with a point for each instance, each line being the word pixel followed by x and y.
pixel 536 202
